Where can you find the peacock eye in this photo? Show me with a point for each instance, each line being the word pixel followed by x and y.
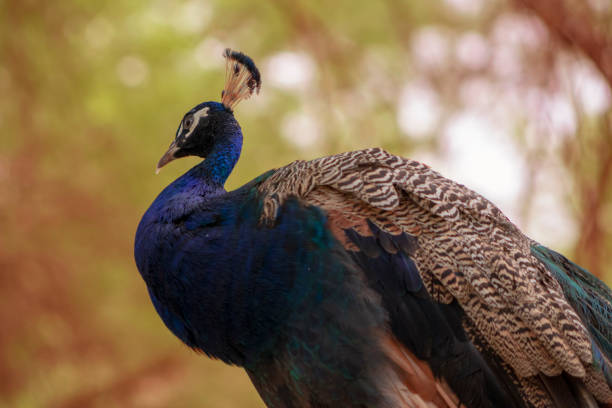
pixel 188 122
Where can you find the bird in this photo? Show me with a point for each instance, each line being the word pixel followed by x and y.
pixel 364 279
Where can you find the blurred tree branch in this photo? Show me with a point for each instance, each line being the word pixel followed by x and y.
pixel 579 28
pixel 594 193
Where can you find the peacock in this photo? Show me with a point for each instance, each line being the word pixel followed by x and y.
pixel 365 279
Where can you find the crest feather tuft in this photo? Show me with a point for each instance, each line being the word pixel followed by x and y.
pixel 242 78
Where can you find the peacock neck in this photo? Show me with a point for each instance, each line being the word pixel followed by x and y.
pixel 212 172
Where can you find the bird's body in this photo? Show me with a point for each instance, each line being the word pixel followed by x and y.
pixel 367 280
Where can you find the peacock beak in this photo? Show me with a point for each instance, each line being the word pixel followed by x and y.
pixel 167 157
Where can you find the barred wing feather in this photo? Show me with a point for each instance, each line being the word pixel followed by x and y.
pixel 538 319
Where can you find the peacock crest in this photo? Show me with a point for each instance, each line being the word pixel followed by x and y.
pixel 242 78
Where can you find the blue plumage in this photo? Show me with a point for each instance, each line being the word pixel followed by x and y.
pixel 327 305
pixel 247 294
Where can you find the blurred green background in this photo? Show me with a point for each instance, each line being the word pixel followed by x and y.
pixel 506 97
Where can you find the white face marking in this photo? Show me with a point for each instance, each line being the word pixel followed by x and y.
pixel 202 113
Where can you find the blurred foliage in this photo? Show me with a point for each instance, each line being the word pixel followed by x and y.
pixel 92 93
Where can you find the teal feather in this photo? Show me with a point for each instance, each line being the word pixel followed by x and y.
pixel 591 299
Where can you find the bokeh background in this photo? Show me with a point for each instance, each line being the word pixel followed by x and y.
pixel 511 98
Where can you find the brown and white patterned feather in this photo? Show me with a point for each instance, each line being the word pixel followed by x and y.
pixel 468 250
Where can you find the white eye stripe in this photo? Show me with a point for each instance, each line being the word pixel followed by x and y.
pixel 202 113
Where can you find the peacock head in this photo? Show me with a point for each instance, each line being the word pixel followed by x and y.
pixel 209 124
